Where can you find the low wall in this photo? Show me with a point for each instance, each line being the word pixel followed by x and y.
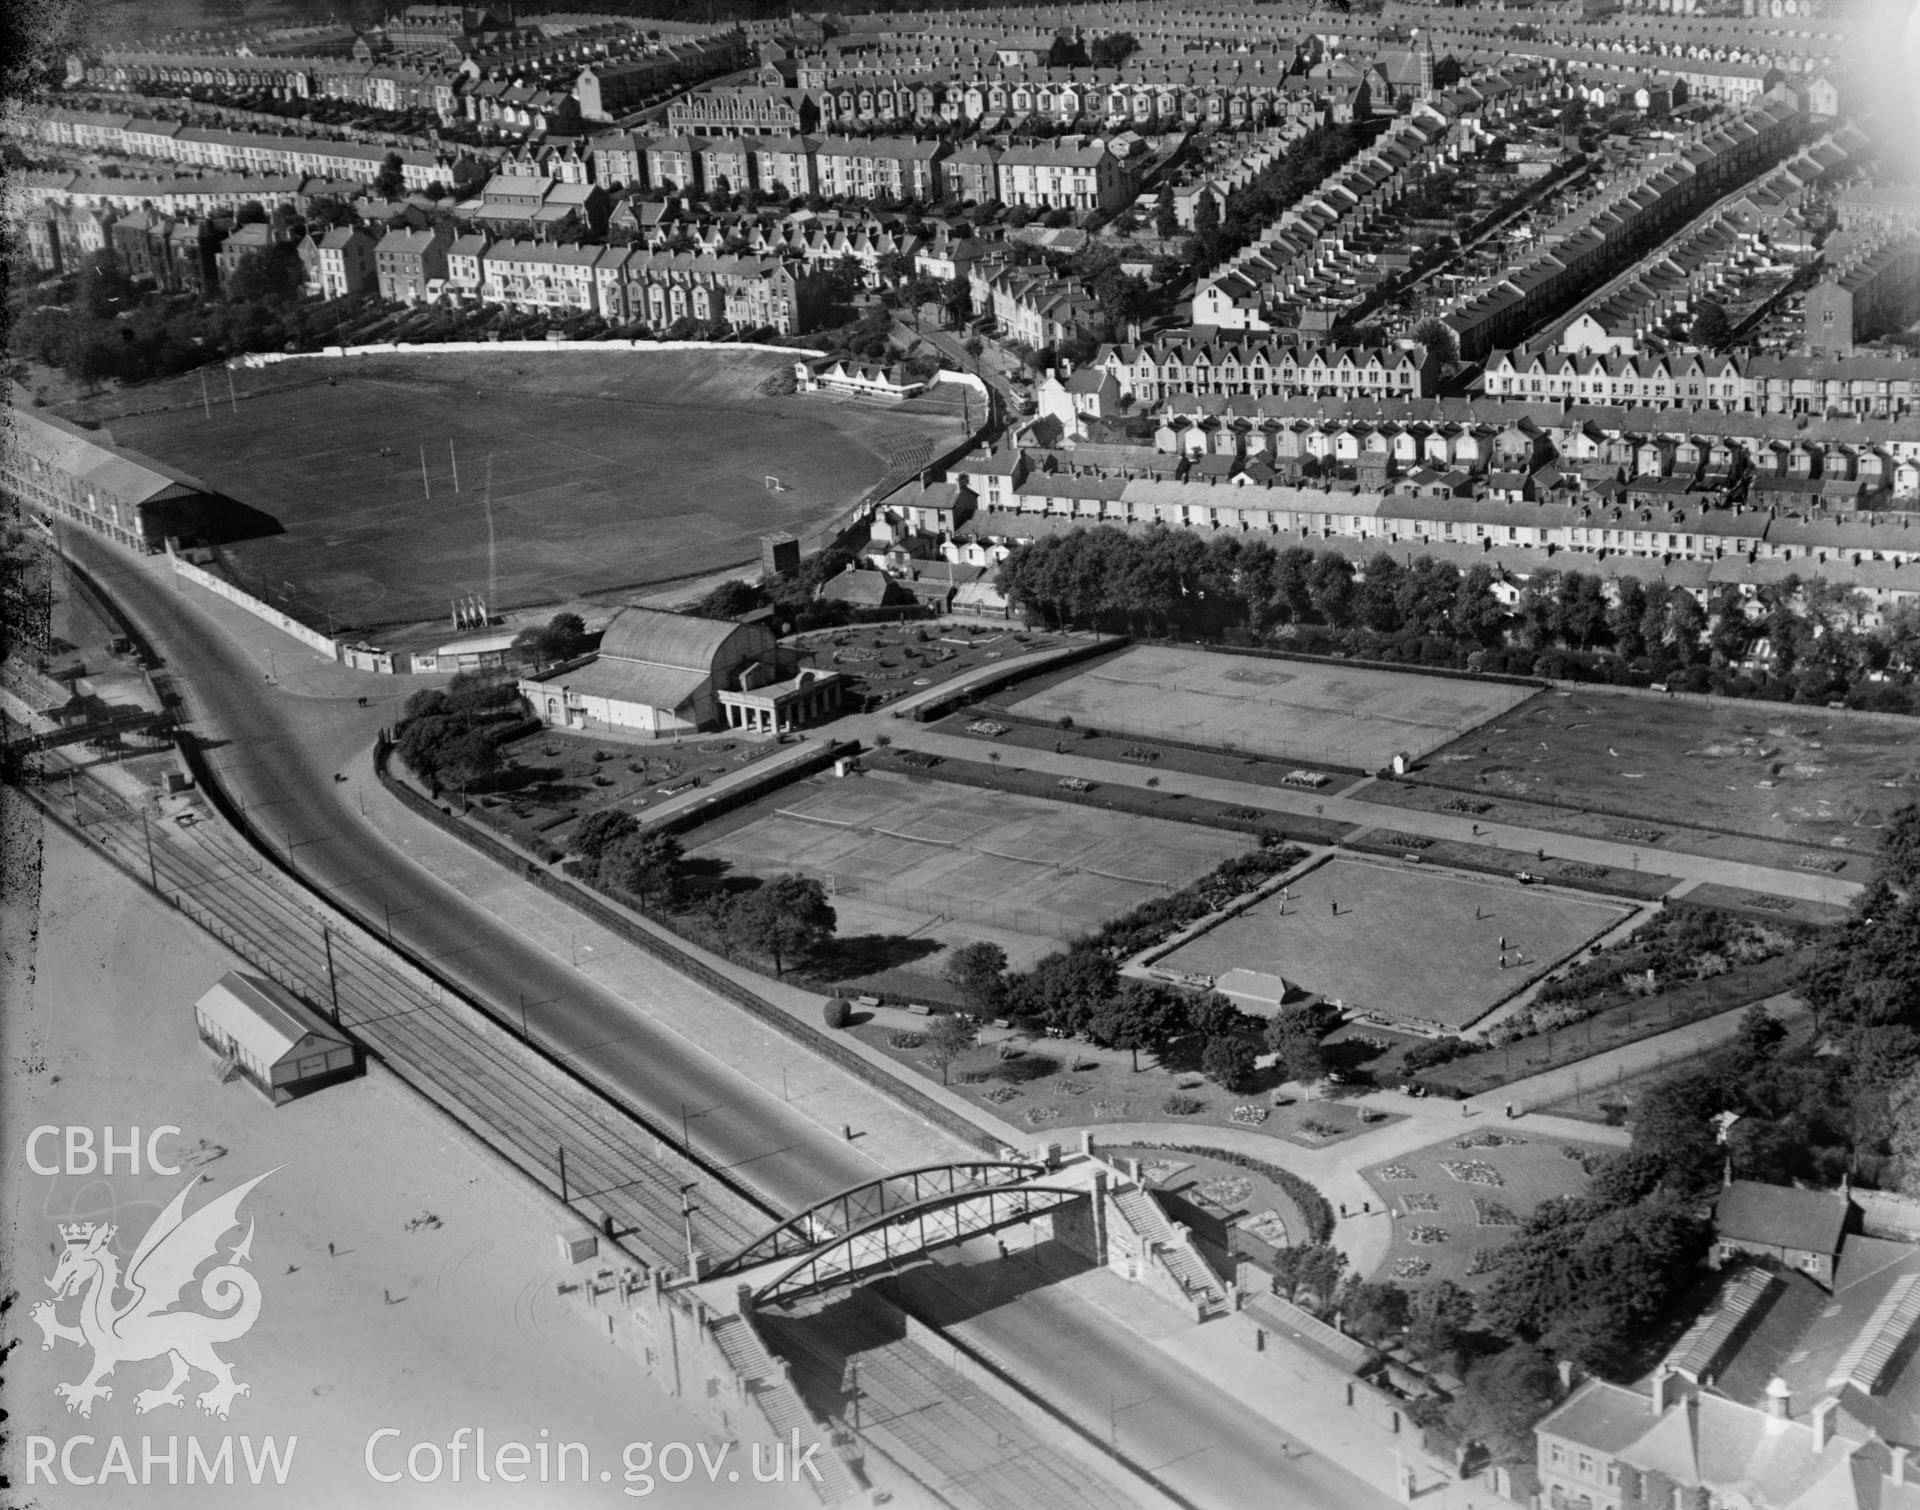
pixel 313 639
pixel 943 701
pixel 819 1040
pixel 1039 1417
pixel 1379 1408
pixel 432 348
pixel 964 379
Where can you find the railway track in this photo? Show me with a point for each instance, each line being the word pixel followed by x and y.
pixel 464 1058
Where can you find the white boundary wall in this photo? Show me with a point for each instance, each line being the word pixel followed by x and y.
pixel 313 639
pixel 501 348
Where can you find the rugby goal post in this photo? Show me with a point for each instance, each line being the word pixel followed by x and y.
pixel 774 484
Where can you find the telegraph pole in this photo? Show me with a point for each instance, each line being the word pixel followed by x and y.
pixel 425 486
pixel 454 462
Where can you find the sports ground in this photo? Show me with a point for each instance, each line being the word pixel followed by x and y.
pixel 1296 710
pixel 1817 776
pixel 993 865
pixel 1424 945
pixel 608 471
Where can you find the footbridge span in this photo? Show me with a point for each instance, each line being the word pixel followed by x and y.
pixel 699 1334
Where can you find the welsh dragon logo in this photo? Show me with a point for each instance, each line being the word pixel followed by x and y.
pixel 145 1325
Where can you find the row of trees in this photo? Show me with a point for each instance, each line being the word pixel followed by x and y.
pixel 99 323
pixel 1564 623
pixel 786 920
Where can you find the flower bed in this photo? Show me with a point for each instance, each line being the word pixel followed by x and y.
pixel 1227 1189
pixel 1397 1172
pixel 1426 1236
pixel 1249 1116
pixel 1493 1213
pixel 1488 1139
pixel 1473 1172
pixel 1412 1268
pixel 1419 1200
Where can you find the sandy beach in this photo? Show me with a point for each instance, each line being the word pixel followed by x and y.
pixel 436 1309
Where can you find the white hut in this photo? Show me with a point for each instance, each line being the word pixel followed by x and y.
pixel 269 1037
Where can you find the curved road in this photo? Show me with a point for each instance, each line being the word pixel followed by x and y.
pixel 276 752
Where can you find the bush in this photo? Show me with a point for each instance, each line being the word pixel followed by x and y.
pixel 1314 1207
pixel 838 1012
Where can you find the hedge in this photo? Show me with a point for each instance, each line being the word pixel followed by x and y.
pixel 1313 1205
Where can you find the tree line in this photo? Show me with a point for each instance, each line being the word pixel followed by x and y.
pixel 1416 609
pixel 98 322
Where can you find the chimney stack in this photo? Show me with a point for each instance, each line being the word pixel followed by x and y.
pixel 1660 1400
pixel 1823 1415
pixel 1897 1469
pixel 1779 1399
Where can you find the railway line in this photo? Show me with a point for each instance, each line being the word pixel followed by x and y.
pixel 465 1059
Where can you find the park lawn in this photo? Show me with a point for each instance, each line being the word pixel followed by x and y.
pixel 557 777
pixel 885 662
pixel 1061 1084
pixel 1446 1225
pixel 1651 839
pixel 1817 777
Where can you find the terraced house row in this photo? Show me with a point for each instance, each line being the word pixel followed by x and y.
pixel 1719 242
pixel 1582 448
pixel 1860 384
pixel 234 151
pixel 1074 173
pixel 628 284
pixel 1266 367
pixel 546 83
pixel 1688 540
pixel 1252 289
pixel 1603 233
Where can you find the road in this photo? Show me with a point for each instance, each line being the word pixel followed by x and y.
pixel 277 752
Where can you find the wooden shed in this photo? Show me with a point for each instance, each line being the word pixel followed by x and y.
pixel 266 1035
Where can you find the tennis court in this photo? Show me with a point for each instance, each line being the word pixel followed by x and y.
pixel 1311 711
pixel 1011 864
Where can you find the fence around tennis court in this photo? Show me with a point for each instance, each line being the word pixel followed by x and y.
pixel 873 830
